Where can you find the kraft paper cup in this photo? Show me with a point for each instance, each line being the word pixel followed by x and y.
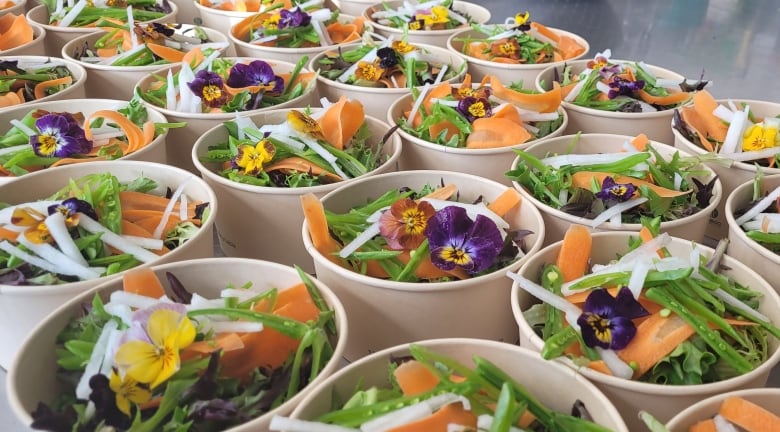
pixel 491 163
pixel 106 81
pixel 265 222
pixel 23 307
pixel 736 174
pixel 591 120
pixel 33 378
pixel 218 19
pixel 663 401
pixel 544 380
pixel 478 14
pixel 182 139
pixel 744 249
pixel 187 13
pixel 74 91
pixel 16 9
pixel 387 313
pixel 768 398
pixel 32 48
pixel 378 101
pixel 351 7
pixel 557 222
pixel 507 73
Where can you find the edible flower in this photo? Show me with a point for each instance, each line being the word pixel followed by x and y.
pixel 508 48
pixel 210 88
pixel 474 108
pixel 436 15
pixel 521 18
pixel 257 73
pixel 606 320
pixel 387 57
pixel 60 136
pixel 152 354
pixel 615 192
pixel 403 225
pixel 128 391
pixel 251 159
pixel 37 232
pixel 760 136
pixel 370 71
pixel 70 208
pixel 457 240
pixel 601 64
pixel 295 17
pixel 620 86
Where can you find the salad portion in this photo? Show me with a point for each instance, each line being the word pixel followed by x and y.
pixel 760 218
pixel 521 41
pixel 635 182
pixel 246 5
pixel 93 227
pixel 84 13
pixel 15 31
pixel 147 358
pixel 425 235
pixel 623 86
pixel 431 392
pixel 730 130
pixel 416 16
pixel 649 315
pixel 30 82
pixel 43 139
pixel 481 116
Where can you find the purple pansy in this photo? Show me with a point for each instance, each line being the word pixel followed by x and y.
pixel 387 57
pixel 455 240
pixel 606 321
pixel 210 88
pixel 257 73
pixel 293 18
pixel 473 108
pixel 71 206
pixel 61 136
pixel 621 86
pixel 615 192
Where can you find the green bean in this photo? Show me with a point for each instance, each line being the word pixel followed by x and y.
pixel 556 344
pixel 552 280
pixel 505 415
pixel 703 311
pixel 316 296
pixel 285 326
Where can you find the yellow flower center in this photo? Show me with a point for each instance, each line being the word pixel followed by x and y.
pixel 402 47
pixel 619 190
pixel 600 327
pixel 272 22
pixel 48 144
pixel 455 255
pixel 507 49
pixel 253 158
pixel 477 109
pixel 760 137
pixel 465 92
pixel 414 221
pixel 369 71
pixel 414 25
pixel 211 93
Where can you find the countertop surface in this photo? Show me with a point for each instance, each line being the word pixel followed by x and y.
pixel 734 43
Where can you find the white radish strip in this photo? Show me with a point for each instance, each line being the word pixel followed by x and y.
pixel 760 206
pixel 734 133
pixel 29 258
pixel 532 116
pixel 533 129
pixel 485 422
pixel 770 222
pixel 233 326
pixel 170 93
pixel 55 223
pixel 563 195
pixel 753 225
pixel 451 103
pixel 72 14
pixel 122 311
pixel 457 17
pixel 129 52
pixel 646 107
pixel 325 154
pixel 322 34
pixel 672 263
pixel 206 63
pixel 58 8
pixel 131 26
pixel 618 208
pixel 571 311
pixel 647 251
pixel 360 240
pixel 739 305
pixel 506 34
pixel 205 46
pixel 600 86
pixel 310 3
pixel 368 58
pixel 290 141
pixel 723 113
pixel 188 102
pixel 677 181
pixel 243 123
pixel 115 240
pixel 158 232
pixel 199 302
pixel 695 260
pixel 628 148
pixel 616 220
pixel 183 214
pixel 14 149
pixel 410 413
pixel 637 280
pixel 39 206
pixel 23 127
pixel 471 209
pixel 132 300
pixel 616 365
pixel 426 88
pixel 144 242
pixel 723 425
pixel 64 264
pixel 240 293
pixel 752 155
pixel 440 76
pixel 373 217
pixel 107 135
pixel 575 91
pixel 584 159
pixel 95 360
pixel 279 423
pixel 113 342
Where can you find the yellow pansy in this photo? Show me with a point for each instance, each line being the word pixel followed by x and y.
pixel 251 159
pixel 760 136
pixel 128 391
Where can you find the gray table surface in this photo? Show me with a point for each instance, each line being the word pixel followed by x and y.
pixel 736 43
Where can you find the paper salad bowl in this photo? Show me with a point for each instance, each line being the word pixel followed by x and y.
pixel 478 14
pixel 544 380
pixel 32 377
pixel 23 307
pixel 106 81
pixel 410 311
pixel 663 401
pixel 767 398
pixel 557 222
pixel 272 214
pixel 218 19
pixel 57 37
pixel 16 9
pixel 590 120
pixel 506 72
pixel 739 172
pixel 152 152
pixel 75 91
pixel 351 7
pixel 489 163
pixel 32 48
pixel 181 140
pixel 382 98
pixel 744 249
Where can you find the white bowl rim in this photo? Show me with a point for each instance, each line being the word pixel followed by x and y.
pixel 652 388
pixel 42 290
pixel 732 221
pixel 223 13
pixel 206 172
pixel 520 66
pixel 426 286
pixel 483 10
pixel 693 409
pixel 717 190
pixel 612 114
pixel 38 33
pixel 54 28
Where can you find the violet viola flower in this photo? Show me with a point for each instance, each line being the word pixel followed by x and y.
pixel 71 207
pixel 257 73
pixel 61 136
pixel 606 320
pixel 293 18
pixel 473 108
pixel 210 88
pixel 455 240
pixel 616 192
pixel 621 86
pixel 387 57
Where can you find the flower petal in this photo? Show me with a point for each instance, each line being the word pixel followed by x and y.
pixel 140 360
pixel 162 323
pixel 627 306
pixel 623 331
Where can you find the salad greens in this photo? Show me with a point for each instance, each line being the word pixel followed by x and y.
pixel 99 12
pixel 760 217
pixel 416 16
pixel 18 82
